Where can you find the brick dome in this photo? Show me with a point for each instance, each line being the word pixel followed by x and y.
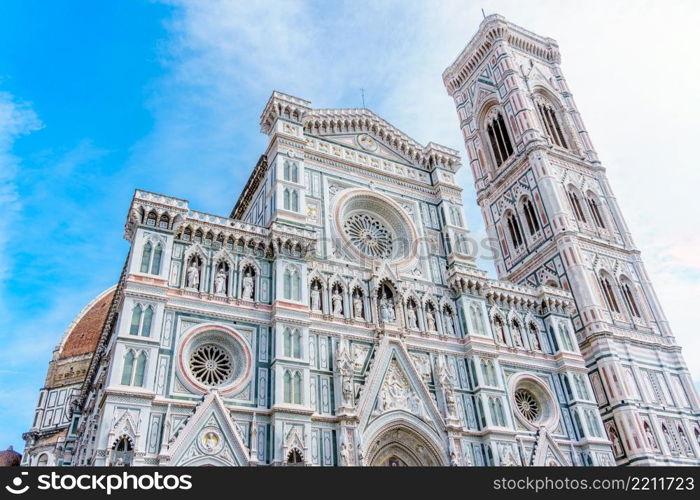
pixel 82 336
pixel 10 458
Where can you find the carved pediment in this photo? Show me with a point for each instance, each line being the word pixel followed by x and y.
pixel 209 436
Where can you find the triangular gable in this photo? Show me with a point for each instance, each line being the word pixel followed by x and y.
pixel 380 148
pixel 546 451
pixel 209 437
pixel 394 384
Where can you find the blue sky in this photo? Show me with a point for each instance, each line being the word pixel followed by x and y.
pixel 99 98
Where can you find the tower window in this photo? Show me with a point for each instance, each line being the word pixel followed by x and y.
pixel 629 299
pixel 533 223
pixel 516 235
pixel 576 206
pixel 551 124
pixel 499 139
pixel 609 294
pixel 595 211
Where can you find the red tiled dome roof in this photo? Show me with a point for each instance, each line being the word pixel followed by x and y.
pixel 10 458
pixel 85 332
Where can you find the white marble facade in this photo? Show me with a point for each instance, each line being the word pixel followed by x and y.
pixel 337 317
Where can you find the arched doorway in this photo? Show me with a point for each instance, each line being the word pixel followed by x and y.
pixel 402 447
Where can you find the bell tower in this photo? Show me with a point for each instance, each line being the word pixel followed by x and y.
pixel 546 201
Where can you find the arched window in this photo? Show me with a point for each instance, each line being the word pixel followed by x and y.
pixel 287 171
pixel 287 284
pixel 294 457
pixel 296 344
pixel 609 294
pixel 128 368
pixel 566 338
pixel 43 460
pixel 151 219
pixel 582 388
pixel 516 235
pixel 492 410
pixel 135 320
pixel 198 235
pixel 287 340
pixel 147 320
pixel 122 452
pixel 295 201
pixel 482 414
pixel 140 369
pixel 296 285
pixel 628 295
pixel 595 210
pixel 577 421
pixel 146 257
pixel 297 388
pixel 295 173
pixel 499 139
pixel 593 426
pixel 551 123
pixel 287 387
pixel 287 199
pixel 553 339
pixel 477 319
pixel 157 255
pixel 533 223
pixel 499 413
pixel 576 206
pixel 164 221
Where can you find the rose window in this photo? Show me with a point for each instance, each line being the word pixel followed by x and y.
pixel 527 405
pixel 211 365
pixel 369 234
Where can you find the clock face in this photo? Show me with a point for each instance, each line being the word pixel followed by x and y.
pixel 366 142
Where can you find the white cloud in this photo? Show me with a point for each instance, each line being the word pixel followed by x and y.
pixel 17 118
pixel 631 67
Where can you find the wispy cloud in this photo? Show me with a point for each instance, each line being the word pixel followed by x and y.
pixel 226 57
pixel 17 118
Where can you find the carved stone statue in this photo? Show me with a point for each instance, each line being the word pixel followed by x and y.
pixel 344 455
pixel 617 447
pixel 386 308
pixel 315 297
pixel 650 438
pixel 430 318
pixel 220 282
pixel 337 300
pixel 391 313
pixel 412 318
pixel 193 275
pixel 448 390
pixel 449 324
pixel 517 336
pixel 357 306
pixel 248 286
pixel 346 368
pixel 686 444
pixel 535 341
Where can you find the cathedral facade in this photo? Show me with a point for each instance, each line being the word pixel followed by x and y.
pixel 337 317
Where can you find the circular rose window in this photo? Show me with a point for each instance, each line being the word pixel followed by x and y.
pixel 372 225
pixel 369 234
pixel 533 403
pixel 214 356
pixel 527 405
pixel 211 365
